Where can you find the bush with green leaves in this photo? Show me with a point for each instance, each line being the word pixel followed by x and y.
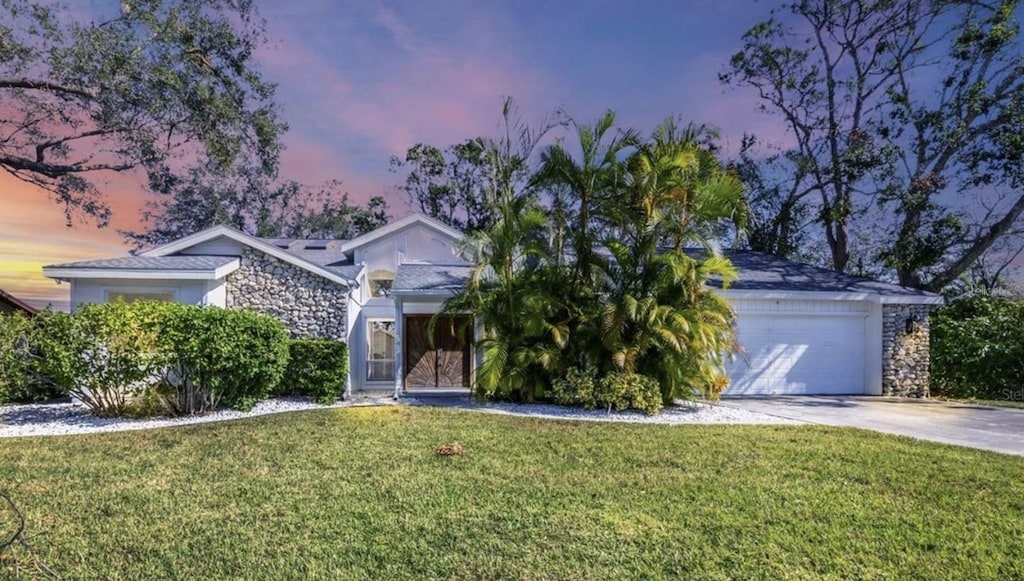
pixel 24 373
pixel 977 348
pixel 578 387
pixel 317 368
pixel 623 390
pixel 618 390
pixel 116 356
pixel 15 355
pixel 216 357
pixel 143 357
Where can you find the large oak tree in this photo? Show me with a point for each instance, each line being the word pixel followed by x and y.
pixel 907 117
pixel 142 85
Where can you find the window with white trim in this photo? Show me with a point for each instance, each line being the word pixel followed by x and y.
pixel 131 297
pixel 380 350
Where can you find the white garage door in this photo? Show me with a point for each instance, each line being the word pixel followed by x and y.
pixel 799 354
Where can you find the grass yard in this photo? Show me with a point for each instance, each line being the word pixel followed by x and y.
pixel 359 493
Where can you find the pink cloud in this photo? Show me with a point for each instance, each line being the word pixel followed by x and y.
pixel 432 93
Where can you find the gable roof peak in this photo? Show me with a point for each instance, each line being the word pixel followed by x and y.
pixel 400 224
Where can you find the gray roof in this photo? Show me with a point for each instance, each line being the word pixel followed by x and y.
pixel 431 277
pixel 317 251
pixel 757 271
pixel 349 271
pixel 764 272
pixel 182 262
pixel 321 257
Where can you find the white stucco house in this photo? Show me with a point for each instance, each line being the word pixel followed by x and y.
pixel 804 329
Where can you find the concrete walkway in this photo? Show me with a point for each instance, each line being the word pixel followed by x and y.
pixel 989 428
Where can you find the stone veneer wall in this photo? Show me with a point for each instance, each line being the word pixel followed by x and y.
pixel 906 363
pixel 308 304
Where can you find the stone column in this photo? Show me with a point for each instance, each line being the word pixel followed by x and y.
pixel 906 362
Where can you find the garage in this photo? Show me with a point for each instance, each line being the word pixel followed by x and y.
pixel 800 348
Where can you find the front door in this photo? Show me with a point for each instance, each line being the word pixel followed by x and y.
pixel 445 362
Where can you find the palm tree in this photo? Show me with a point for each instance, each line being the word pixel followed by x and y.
pixel 580 184
pixel 510 287
pixel 660 318
pixel 626 296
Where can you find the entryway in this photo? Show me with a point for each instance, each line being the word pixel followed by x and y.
pixel 442 364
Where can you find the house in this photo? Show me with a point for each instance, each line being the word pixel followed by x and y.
pixel 11 304
pixel 804 329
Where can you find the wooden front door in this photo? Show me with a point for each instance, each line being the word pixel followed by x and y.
pixel 443 363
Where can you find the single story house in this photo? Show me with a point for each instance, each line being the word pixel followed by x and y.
pixel 11 304
pixel 804 329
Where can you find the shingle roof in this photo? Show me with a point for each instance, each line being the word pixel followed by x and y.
pixel 431 277
pixel 153 263
pixel 757 271
pixel 317 251
pixel 320 257
pixel 764 272
pixel 349 271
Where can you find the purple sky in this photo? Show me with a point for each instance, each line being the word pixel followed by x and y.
pixel 360 82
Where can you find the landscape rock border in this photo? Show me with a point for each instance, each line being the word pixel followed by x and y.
pixel 64 419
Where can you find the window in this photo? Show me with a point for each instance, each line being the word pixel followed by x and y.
pixel 380 350
pixel 381 264
pixel 131 297
pixel 381 282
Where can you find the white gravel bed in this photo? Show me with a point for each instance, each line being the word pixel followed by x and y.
pixel 61 419
pixel 681 413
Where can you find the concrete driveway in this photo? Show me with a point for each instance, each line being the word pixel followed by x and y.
pixel 988 428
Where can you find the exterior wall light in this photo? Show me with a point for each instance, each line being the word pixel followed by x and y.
pixel 911 324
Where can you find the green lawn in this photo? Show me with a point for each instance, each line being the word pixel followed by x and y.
pixel 359 493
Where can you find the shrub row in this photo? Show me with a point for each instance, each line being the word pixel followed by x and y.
pixel 316 368
pixel 617 390
pixel 144 358
pixel 977 348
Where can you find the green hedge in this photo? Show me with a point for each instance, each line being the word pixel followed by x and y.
pixel 317 368
pixel 977 348
pixel 217 357
pixel 143 358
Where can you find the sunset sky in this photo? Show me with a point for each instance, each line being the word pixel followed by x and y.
pixel 360 82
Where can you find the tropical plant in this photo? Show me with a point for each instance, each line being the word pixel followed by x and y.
pixel 594 273
pixel 523 318
pixel 659 317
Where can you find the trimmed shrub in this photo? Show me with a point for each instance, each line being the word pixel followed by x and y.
pixel 142 358
pixel 578 387
pixel 217 357
pixel 630 391
pixel 103 355
pixel 316 368
pixel 617 390
pixel 977 348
